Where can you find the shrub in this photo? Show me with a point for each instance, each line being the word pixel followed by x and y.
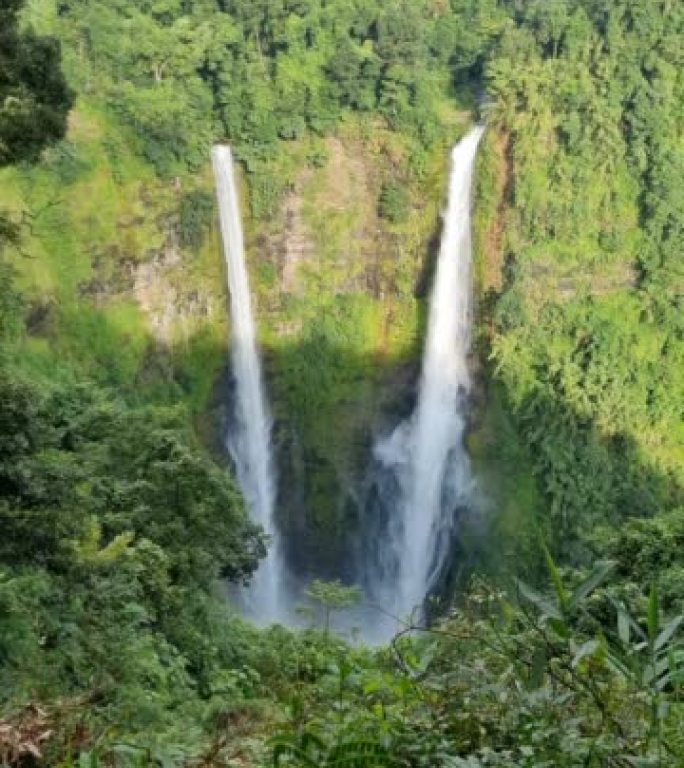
pixel 196 212
pixel 394 202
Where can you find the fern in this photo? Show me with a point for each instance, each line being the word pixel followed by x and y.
pixel 308 750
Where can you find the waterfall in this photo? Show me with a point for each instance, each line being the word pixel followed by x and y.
pixel 249 438
pixel 423 470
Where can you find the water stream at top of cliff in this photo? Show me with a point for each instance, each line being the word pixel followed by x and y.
pixel 249 439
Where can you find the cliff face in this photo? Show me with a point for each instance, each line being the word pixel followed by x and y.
pixel 339 292
pixel 126 285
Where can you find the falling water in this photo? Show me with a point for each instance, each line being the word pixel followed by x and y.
pixel 249 439
pixel 425 465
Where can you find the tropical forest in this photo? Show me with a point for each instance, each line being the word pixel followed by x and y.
pixel 341 383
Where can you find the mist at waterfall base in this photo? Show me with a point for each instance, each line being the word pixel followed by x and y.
pixel 422 477
pixel 249 437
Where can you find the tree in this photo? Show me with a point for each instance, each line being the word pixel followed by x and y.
pixel 332 596
pixel 394 202
pixel 34 96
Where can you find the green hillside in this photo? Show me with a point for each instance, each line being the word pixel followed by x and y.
pixel 122 529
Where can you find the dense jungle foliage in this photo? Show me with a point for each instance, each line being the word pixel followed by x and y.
pixel 122 530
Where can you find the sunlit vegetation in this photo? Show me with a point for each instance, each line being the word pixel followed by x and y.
pixel 121 529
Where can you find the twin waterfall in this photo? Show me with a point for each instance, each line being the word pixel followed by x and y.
pixel 249 439
pixel 423 461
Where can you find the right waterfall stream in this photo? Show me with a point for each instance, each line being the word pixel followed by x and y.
pixel 423 473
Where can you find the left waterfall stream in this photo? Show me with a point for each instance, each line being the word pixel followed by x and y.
pixel 249 438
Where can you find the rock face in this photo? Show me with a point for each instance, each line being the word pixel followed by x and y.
pixel 157 297
pixel 173 310
pixel 297 247
pixel 341 329
pixel 175 293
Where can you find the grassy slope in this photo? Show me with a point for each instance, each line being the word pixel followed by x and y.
pixel 97 223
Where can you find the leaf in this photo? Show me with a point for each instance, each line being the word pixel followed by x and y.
pixel 653 672
pixel 586 649
pixel 623 626
pixel 369 754
pixel 667 632
pixel 653 613
pixel 634 627
pixel 539 660
pixel 88 760
pixel 286 749
pixel 556 579
pixel 165 760
pixel 542 603
pixel 299 747
pixel 619 665
pixel 676 664
pixel 663 682
pixel 309 740
pixel 597 575
pixel 559 627
pixel 372 686
pixel 426 657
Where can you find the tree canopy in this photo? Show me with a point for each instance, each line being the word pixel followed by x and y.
pixel 34 96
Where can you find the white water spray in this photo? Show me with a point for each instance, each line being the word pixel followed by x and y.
pixel 249 440
pixel 425 454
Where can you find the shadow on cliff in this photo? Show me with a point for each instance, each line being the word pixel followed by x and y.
pixel 330 404
pixel 324 431
pixel 549 474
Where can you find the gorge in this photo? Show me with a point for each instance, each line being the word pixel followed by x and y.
pixel 267 499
